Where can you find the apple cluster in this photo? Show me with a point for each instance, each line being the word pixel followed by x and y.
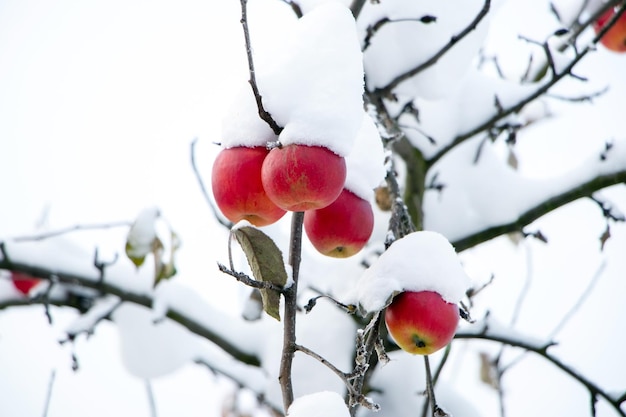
pixel 261 185
pixel 615 38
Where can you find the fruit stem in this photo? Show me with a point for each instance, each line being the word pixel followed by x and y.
pixel 289 316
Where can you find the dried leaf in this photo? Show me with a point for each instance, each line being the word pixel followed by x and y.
pixel 266 263
pixel 605 237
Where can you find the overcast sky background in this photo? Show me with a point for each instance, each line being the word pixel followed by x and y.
pixel 99 102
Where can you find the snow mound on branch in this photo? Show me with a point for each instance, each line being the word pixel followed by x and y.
pixel 150 349
pixel 320 404
pixel 420 261
pixel 312 86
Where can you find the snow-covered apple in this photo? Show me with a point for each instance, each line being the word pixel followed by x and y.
pixel 237 186
pixel 341 229
pixel 23 282
pixel 615 38
pixel 421 322
pixel 300 177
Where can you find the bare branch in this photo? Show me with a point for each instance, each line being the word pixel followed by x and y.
pixel 567 70
pixel 385 91
pixel 289 326
pixel 263 114
pixel 70 229
pixel 542 350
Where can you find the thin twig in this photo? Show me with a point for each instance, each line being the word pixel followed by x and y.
pixel 263 114
pixel 227 224
pixel 46 406
pixel 250 282
pixel 69 229
pixel 386 90
pixel 151 399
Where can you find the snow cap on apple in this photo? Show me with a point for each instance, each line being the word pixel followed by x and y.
pixel 312 86
pixel 420 261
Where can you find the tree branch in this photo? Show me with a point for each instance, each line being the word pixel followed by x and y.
pixel 290 294
pixel 520 342
pixel 532 214
pixel 386 91
pixel 504 112
pixel 194 325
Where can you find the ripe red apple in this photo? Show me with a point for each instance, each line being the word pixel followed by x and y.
pixel 421 322
pixel 238 189
pixel 23 282
pixel 341 229
pixel 299 177
pixel 615 38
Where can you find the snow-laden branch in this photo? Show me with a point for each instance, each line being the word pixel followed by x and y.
pixel 521 199
pixel 180 304
pixel 488 330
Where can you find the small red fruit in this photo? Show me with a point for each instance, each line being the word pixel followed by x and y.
pixel 341 229
pixel 237 187
pixel 299 177
pixel 421 322
pixel 615 38
pixel 23 282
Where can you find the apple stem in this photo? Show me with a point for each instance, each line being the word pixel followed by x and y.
pixel 289 329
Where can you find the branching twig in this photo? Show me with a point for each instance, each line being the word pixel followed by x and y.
pixel 558 75
pixel 386 91
pixel 519 342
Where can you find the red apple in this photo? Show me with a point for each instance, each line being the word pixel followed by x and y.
pixel 421 322
pixel 299 177
pixel 341 229
pixel 237 186
pixel 23 282
pixel 615 38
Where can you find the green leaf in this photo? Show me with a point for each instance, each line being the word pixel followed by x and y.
pixel 266 263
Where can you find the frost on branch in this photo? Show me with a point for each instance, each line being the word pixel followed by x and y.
pixel 420 261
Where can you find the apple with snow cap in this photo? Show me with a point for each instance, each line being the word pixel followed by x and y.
pixel 421 322
pixel 237 186
pixel 300 177
pixel 615 38
pixel 341 229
